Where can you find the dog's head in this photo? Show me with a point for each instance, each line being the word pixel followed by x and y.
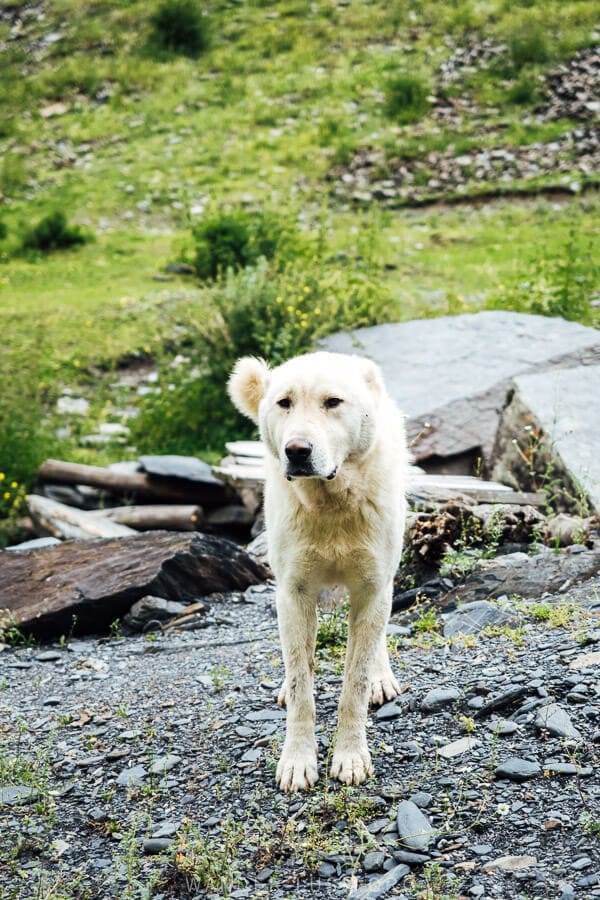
pixel 315 412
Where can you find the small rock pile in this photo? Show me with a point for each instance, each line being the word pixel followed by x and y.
pixel 438 174
pixel 573 88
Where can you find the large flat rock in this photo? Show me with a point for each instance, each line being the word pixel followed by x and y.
pixel 551 426
pixel 450 376
pixel 95 582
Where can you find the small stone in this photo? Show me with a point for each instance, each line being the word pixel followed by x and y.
pixel 412 859
pixel 438 698
pixel 252 755
pixel 482 849
pixel 326 870
pixel 49 656
pixel 503 727
pixel 584 862
pixel 380 886
pixel 264 874
pixel 166 829
pixel 414 827
pixel 456 748
pixel 373 861
pixel 422 799
pixel 265 715
pixel 164 764
pixel 516 769
pixel 556 720
pixel 510 863
pixel 156 845
pixel 388 711
pixel 133 776
pixel 586 661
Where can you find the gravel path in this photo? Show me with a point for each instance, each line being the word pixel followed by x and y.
pixel 137 767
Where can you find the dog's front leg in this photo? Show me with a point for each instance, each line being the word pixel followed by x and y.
pixel 369 613
pixel 297 617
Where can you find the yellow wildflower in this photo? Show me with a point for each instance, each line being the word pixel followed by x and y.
pixel 317 311
pixel 278 299
pixel 290 309
pixel 7 495
pixel 306 289
pixel 14 484
pixel 2 476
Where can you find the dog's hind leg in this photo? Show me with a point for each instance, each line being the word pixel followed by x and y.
pixel 369 613
pixel 297 615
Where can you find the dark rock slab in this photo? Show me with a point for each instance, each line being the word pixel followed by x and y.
pixel 524 575
pixel 97 581
pixel 552 424
pixel 516 769
pixel 456 408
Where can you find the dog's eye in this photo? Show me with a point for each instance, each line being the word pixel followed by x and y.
pixel 284 403
pixel 332 402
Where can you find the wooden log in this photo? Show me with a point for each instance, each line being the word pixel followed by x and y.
pixel 137 484
pixel 59 520
pixel 159 517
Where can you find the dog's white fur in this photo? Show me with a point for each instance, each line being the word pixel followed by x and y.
pixel 341 524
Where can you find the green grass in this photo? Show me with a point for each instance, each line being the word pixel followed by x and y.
pixel 138 147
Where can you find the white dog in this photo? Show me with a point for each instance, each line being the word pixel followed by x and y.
pixel 334 508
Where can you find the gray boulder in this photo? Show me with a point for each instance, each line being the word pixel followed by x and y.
pixel 453 406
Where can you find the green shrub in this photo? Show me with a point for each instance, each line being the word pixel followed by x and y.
pixel 524 90
pixel 528 43
pixel 258 311
pixel 234 240
pixel 407 98
pixel 53 232
pixel 179 27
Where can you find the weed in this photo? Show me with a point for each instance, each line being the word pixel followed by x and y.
pixel 10 633
pixel 528 43
pixel 407 98
pixel 434 884
pixel 219 674
pixel 427 622
pixel 209 863
pixel 515 634
pixel 115 630
pixel 555 615
pixel 53 232
pixel 468 724
pixel 179 27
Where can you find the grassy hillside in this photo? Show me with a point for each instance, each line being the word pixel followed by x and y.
pixel 277 108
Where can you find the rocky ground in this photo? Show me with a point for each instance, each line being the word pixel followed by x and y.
pixel 568 91
pixel 144 766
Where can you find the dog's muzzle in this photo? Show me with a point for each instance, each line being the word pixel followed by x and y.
pixel 299 458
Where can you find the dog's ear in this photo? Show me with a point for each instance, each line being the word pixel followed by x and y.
pixel 372 375
pixel 247 385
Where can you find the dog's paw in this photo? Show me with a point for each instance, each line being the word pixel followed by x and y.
pixel 282 695
pixel 384 687
pixel 297 768
pixel 351 766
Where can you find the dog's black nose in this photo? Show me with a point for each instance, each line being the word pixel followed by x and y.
pixel 298 451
